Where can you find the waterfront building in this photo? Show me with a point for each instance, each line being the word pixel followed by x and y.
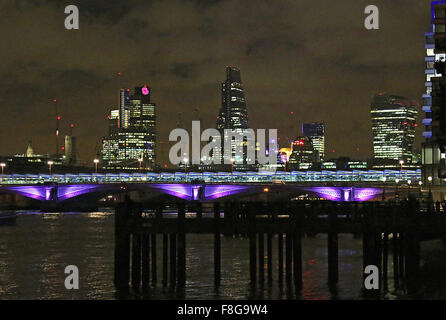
pixel 434 147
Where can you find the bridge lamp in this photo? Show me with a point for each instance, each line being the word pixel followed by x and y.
pixel 50 164
pixel 96 161
pixel 430 183
pixel 2 165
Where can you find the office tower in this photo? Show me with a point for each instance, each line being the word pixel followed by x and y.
pixel 124 105
pixel 434 147
pixel 133 145
pixel 113 122
pixel 233 115
pixel 316 132
pixel 303 155
pixel 393 128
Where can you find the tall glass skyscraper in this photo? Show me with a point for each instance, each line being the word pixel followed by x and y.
pixel 316 133
pixel 393 127
pixel 233 115
pixel 127 146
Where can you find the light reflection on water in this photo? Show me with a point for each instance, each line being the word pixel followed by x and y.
pixel 35 252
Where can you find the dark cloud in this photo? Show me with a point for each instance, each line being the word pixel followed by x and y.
pixel 314 58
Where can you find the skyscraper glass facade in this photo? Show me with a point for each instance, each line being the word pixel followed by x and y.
pixel 233 115
pixel 316 133
pixel 135 143
pixel 393 127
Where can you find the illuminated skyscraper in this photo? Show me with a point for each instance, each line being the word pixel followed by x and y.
pixel 233 112
pixel 128 146
pixel 434 100
pixel 124 106
pixel 303 154
pixel 393 127
pixel 233 115
pixel 316 133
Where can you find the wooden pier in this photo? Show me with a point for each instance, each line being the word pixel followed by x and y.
pixel 385 228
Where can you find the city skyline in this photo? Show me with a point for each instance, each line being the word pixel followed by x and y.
pixel 283 71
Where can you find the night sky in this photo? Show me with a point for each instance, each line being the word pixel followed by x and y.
pixel 313 58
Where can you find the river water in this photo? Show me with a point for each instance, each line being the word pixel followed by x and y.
pixel 35 252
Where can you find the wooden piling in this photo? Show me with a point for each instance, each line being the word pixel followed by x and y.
pixel 280 257
pixel 395 256
pixel 288 257
pixel 145 261
pixel 297 260
pixel 173 259
pixel 154 259
pixel 269 250
pixel 122 248
pixel 401 259
pixel 261 257
pixel 165 258
pixel 333 272
pixel 217 245
pixel 181 246
pixel 136 261
pixel 385 251
pixel 252 245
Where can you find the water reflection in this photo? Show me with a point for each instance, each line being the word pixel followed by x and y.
pixel 35 252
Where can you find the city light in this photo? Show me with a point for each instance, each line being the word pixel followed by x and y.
pixel 2 165
pixel 50 164
pixel 96 161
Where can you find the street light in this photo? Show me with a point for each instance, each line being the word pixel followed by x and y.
pixel 408 193
pixel 50 164
pixel 232 163
pixel 397 181
pixel 3 165
pixel 420 183
pixel 430 184
pixel 96 161
pixel 185 164
pixel 140 160
pixel 401 163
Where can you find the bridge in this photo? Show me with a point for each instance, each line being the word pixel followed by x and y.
pixel 208 186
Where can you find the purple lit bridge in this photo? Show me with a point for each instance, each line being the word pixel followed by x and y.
pixel 204 192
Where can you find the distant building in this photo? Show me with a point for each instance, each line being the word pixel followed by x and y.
pixel 70 150
pixel 30 150
pixel 131 142
pixel 316 132
pixel 393 127
pixel 303 155
pixel 233 115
